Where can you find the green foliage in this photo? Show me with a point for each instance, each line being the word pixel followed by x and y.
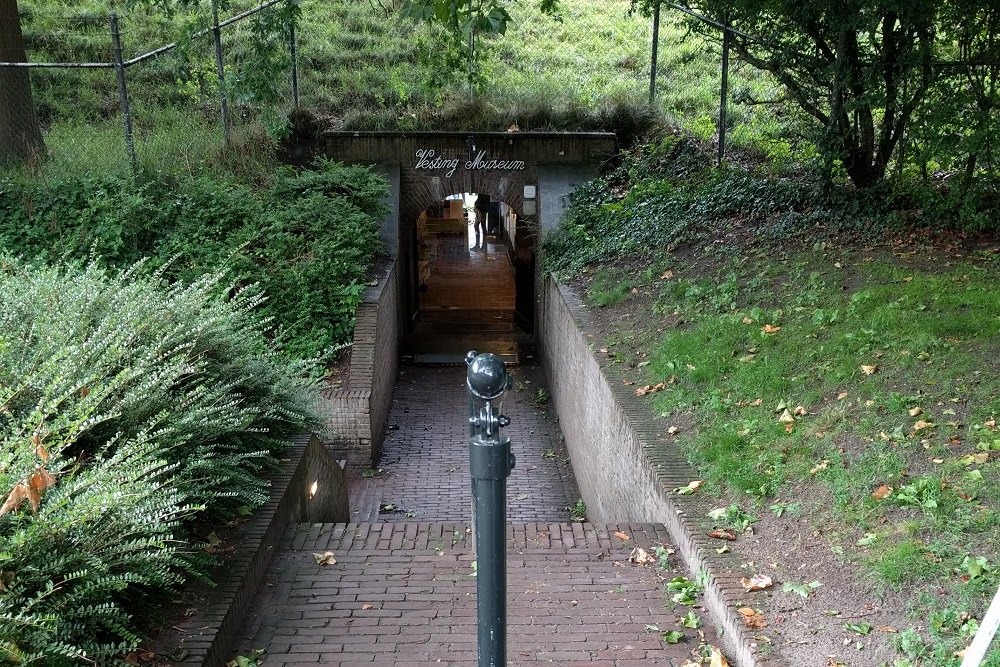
pixel 126 407
pixel 308 240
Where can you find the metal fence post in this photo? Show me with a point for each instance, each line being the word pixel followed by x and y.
pixel 656 45
pixel 220 69
pixel 295 54
pixel 723 104
pixel 116 43
pixel 490 462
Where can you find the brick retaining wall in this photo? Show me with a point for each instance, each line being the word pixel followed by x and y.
pixel 210 634
pixel 355 414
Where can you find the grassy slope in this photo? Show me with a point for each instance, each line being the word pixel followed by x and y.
pixel 883 356
pixel 362 69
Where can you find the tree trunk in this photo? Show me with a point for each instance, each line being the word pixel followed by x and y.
pixel 20 135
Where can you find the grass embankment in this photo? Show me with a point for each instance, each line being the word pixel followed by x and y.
pixel 813 366
pixel 363 69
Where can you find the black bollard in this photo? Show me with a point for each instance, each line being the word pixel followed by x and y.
pixel 490 462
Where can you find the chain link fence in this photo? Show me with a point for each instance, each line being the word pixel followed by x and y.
pixel 109 89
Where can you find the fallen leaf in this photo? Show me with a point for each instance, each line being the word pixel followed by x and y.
pixel 971 459
pixel 786 417
pixel 673 430
pixel 921 425
pixel 722 534
pixel 366 606
pixel 799 410
pixel 990 423
pixel 650 389
pixel 789 428
pixel 696 484
pixel 724 549
pixel 868 370
pixel 882 492
pixel 667 275
pixel 938 461
pixel 800 589
pixel 916 411
pixel 822 465
pixel 513 128
pixel 770 329
pixel 747 320
pixel 752 618
pixel 628 382
pixel 842 395
pixel 622 536
pixel 886 628
pixel 717 659
pixel 640 556
pixel 325 558
pixel 757 582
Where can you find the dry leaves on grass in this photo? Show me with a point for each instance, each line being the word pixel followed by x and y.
pixel 868 370
pixel 650 389
pixel 770 329
pixel 882 492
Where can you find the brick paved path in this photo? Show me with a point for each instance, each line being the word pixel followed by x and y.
pixel 402 592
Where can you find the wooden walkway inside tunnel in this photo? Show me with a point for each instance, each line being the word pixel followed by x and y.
pixel 466 301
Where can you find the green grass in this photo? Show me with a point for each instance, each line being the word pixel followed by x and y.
pixel 362 69
pixel 885 370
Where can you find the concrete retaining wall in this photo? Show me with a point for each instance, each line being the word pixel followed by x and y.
pixel 355 414
pixel 625 464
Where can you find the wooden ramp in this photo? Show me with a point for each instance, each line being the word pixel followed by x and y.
pixel 466 301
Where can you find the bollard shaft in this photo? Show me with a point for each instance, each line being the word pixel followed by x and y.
pixel 490 462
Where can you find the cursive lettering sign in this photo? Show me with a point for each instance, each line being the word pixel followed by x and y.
pixel 427 158
pixel 481 163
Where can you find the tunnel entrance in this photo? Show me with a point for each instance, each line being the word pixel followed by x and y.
pixel 449 298
pixel 466 287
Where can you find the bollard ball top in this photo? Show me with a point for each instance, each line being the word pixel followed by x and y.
pixel 488 378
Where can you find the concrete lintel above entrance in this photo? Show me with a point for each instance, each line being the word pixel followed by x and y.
pixel 535 148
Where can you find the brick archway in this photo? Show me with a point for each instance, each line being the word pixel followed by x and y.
pixel 421 189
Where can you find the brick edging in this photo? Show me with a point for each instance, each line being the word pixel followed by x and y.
pixel 666 468
pixel 212 632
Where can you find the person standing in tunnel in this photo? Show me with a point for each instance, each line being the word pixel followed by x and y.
pixel 482 207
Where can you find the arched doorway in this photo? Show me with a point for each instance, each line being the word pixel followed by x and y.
pixel 465 279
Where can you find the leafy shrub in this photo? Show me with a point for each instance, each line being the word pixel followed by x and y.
pixel 667 192
pixel 309 239
pixel 127 408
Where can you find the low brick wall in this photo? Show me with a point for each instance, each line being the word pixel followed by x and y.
pixel 211 633
pixel 355 414
pixel 624 464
